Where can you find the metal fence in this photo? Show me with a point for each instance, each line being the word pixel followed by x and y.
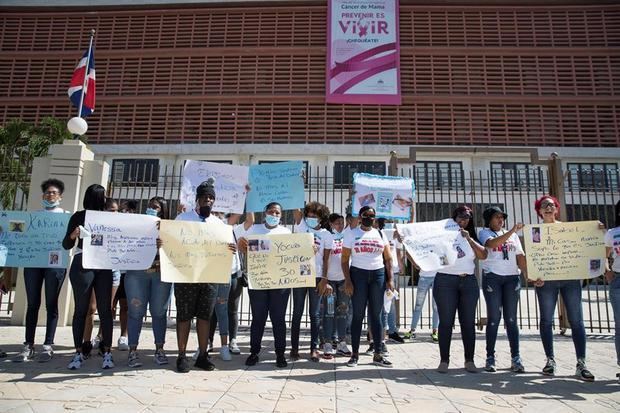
pixel 587 196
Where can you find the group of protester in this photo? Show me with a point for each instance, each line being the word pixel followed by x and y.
pixel 357 265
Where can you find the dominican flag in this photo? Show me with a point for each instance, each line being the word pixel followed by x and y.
pixel 77 82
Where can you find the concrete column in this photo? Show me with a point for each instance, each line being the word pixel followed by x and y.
pixel 74 164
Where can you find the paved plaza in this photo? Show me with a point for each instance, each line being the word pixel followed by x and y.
pixel 329 386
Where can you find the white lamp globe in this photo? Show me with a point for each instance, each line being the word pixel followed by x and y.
pixel 77 126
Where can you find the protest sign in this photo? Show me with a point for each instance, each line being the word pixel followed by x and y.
pixel 564 250
pixel 280 182
pixel 281 261
pixel 33 239
pixel 119 241
pixel 195 252
pixel 229 182
pixel 390 196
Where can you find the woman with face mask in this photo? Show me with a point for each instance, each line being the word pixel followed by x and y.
pixel 265 303
pixel 36 278
pixel 314 214
pixel 367 267
pixel 146 288
pixel 456 288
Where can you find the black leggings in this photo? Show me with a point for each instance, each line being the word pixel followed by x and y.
pixel 83 281
pixel 34 279
pixel 234 297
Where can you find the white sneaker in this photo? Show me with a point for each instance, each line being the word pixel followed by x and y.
pixel 133 361
pixel 225 353
pixel 342 349
pixel 196 354
pixel 328 351
pixel 46 355
pixel 108 363
pixel 123 343
pixel 76 362
pixel 234 348
pixel 26 354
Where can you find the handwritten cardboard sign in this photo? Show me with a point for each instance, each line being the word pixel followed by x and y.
pixel 33 239
pixel 564 251
pixel 280 182
pixel 195 252
pixel 281 261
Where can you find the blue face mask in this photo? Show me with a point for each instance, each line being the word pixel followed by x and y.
pixel 312 222
pixel 271 220
pixel 152 212
pixel 389 225
pixel 48 204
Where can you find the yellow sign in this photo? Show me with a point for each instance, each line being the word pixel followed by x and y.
pixel 195 252
pixel 281 261
pixel 564 251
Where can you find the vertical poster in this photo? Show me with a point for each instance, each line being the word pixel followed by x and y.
pixel 363 52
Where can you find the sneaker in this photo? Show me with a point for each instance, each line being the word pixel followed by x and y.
pixel 225 353
pixel 379 360
pixel 342 349
pixel 182 364
pixel 281 360
pixel 443 367
pixel 133 360
pixel 582 371
pixel 87 348
pixel 409 335
pixel 490 365
pixel 233 347
pixel 549 369
pixel 123 343
pixel 384 349
pixel 204 363
pixel 76 362
pixel 196 354
pixel 160 357
pixel 46 355
pixel 95 342
pixel 435 336
pixel 108 362
pixel 26 354
pixel 371 348
pixel 251 360
pixel 470 367
pixel 352 362
pixel 396 338
pixel 516 366
pixel 328 351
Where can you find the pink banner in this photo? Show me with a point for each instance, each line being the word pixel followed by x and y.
pixel 363 52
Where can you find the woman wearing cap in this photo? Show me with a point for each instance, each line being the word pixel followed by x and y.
pixel 456 288
pixel 548 208
pixel 501 283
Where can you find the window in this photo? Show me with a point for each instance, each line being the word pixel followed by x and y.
pixel 343 171
pixel 135 171
pixel 510 175
pixel 306 169
pixel 438 174
pixel 593 176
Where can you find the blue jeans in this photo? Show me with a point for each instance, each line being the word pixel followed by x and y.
pixel 502 293
pixel 144 288
pixel 221 308
pixel 388 320
pixel 424 285
pixel 614 296
pixel 272 303
pixel 299 301
pixel 368 287
pixel 342 304
pixel 452 293
pixel 547 299
pixel 34 279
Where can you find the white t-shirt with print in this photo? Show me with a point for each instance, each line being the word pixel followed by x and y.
pixel 366 248
pixel 495 261
pixel 302 228
pixel 333 243
pixel 612 240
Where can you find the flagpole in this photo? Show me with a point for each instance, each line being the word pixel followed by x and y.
pixel 86 72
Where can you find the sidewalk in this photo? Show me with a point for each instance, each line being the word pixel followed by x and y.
pixel 329 386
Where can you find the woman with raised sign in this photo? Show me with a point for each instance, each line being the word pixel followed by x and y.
pixel 84 281
pixel 265 303
pixel 50 278
pixel 456 288
pixel 548 208
pixel 501 283
pixel 612 274
pixel 367 266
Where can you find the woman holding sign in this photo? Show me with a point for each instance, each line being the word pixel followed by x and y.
pixel 367 275
pixel 84 281
pixel 265 303
pixel 612 248
pixel 548 208
pixel 456 288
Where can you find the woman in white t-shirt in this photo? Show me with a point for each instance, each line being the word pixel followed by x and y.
pixel 501 283
pixel 456 288
pixel 612 245
pixel 265 303
pixel 367 275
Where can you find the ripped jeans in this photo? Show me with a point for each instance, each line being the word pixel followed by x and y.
pixel 502 293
